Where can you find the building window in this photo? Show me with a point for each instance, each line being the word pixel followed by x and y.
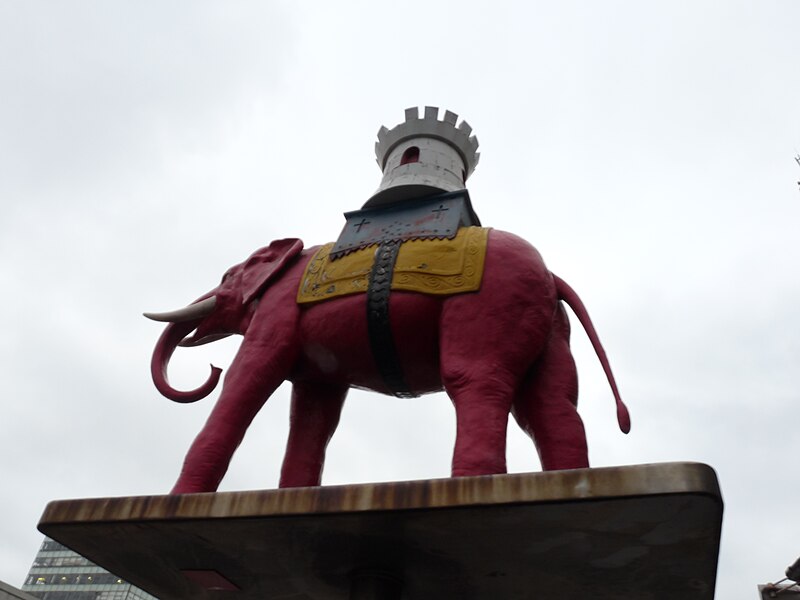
pixel 411 155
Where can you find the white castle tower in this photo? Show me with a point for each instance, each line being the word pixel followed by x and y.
pixel 423 156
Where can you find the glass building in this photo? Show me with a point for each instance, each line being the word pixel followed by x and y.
pixel 58 573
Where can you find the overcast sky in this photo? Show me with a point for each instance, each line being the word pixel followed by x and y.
pixel 646 148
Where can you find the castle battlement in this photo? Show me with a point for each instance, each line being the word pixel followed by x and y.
pixel 423 155
pixel 430 126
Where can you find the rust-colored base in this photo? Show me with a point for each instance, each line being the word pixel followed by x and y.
pixel 626 532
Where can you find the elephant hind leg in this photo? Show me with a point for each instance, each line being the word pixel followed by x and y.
pixel 482 399
pixel 546 404
pixel 314 417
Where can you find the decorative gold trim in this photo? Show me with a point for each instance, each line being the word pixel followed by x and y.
pixel 437 267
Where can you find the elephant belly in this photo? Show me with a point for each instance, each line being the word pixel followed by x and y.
pixel 336 348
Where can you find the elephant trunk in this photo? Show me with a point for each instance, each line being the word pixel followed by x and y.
pixel 169 340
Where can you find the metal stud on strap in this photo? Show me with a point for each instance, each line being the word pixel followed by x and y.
pixel 378 322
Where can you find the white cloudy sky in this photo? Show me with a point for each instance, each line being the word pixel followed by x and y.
pixel 646 149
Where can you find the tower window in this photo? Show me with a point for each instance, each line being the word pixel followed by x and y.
pixel 411 155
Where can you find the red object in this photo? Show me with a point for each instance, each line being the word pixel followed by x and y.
pixel 411 155
pixel 502 349
pixel 210 579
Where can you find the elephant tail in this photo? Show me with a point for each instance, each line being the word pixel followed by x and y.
pixel 568 295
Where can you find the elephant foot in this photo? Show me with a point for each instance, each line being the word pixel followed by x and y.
pixel 563 459
pixel 495 467
pixel 188 487
pixel 197 481
pixel 300 474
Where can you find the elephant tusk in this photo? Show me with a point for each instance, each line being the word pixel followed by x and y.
pixel 198 310
pixel 193 341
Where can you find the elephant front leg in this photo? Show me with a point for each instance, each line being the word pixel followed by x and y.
pixel 314 417
pixel 251 380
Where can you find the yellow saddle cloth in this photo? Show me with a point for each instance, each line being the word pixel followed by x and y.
pixel 440 267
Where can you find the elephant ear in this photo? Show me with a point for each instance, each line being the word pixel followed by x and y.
pixel 266 264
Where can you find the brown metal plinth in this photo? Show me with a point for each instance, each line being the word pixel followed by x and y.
pixel 645 531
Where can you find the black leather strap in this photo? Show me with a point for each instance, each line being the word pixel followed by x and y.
pixel 378 322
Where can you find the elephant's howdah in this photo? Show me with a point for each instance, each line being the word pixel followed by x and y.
pixel 437 267
pixel 434 217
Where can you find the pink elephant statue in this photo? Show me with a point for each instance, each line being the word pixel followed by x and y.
pixel 504 348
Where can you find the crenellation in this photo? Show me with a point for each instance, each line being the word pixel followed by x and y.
pixel 447 155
